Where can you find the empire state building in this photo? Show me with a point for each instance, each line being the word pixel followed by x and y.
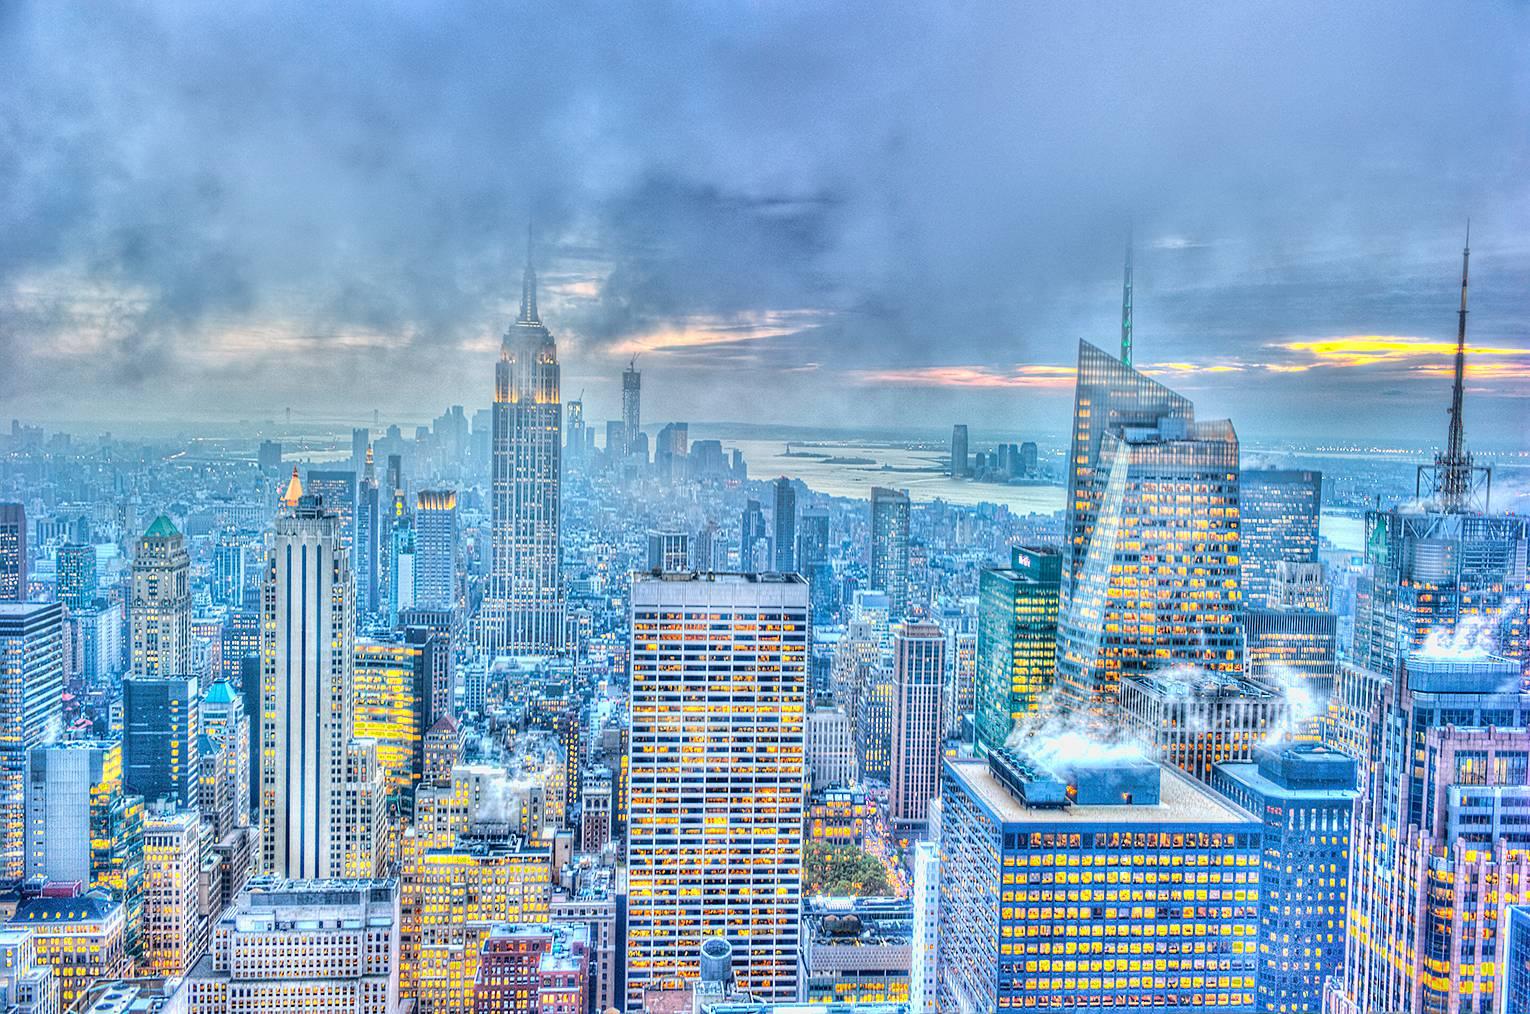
pixel 523 611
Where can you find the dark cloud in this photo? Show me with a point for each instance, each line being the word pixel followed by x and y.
pixel 247 206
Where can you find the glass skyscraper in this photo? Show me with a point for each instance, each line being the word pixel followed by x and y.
pixel 889 548
pixel 31 710
pixel 1016 641
pixel 1279 511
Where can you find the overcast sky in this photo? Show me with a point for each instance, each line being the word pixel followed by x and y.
pixel 839 214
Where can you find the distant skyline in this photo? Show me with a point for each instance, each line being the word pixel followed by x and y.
pixel 848 217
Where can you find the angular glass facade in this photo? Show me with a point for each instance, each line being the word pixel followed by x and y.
pixel 1016 642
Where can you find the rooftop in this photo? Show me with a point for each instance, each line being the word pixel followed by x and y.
pixel 1181 801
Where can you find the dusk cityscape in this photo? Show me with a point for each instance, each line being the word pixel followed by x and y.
pixel 762 509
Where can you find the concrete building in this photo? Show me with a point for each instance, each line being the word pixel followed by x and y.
pixel 719 669
pixel 81 937
pixel 173 936
pixel 302 945
pixel 534 968
pixel 27 986
pixel 435 549
pixel 1195 720
pixel 924 963
pixel 160 608
pixel 919 669
pixel 830 746
pixel 856 950
pixel 13 553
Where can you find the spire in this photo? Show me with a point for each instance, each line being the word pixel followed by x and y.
pixel 1126 303
pixel 529 289
pixel 294 491
pixel 1453 466
pixel 370 472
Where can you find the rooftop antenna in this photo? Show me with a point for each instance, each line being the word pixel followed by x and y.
pixel 529 287
pixel 1454 479
pixel 1126 303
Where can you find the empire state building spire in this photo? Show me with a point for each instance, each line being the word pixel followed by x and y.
pixel 529 289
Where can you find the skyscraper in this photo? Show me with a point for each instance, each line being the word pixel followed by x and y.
pixel 1440 826
pixel 960 462
pixel 784 522
pixel 1016 642
pixel 751 538
pixel 1155 517
pixel 632 407
pixel 31 710
pixel 889 548
pixel 919 668
pixel 435 549
pixel 368 552
pixel 161 726
pixel 161 602
pixel 337 489
pixel 77 582
pixel 1278 512
pixel 307 723
pixel 522 612
pixel 13 552
pixel 719 670
pixel 228 571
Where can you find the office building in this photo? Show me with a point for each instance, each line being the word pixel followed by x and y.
pixel 80 936
pixel 367 552
pixel 229 575
pixel 1154 517
pixel 316 784
pixel 919 669
pixel 856 950
pixel 390 692
pixel 752 539
pixel 161 725
pixel 924 962
pixel 669 551
pixel 719 668
pixel 889 548
pixel 1016 642
pixel 812 538
pixel 268 456
pixel 336 491
pixel 783 520
pixel 830 746
pixel 1194 720
pixel 1171 917
pixel 160 610
pixel 1293 647
pixel 534 968
pixel 31 710
pixel 302 945
pixel 435 549
pixel 1305 795
pixel 1516 978
pixel 77 583
pixel 632 409
pixel 1279 511
pixel 839 815
pixel 13 552
pixel 27 986
pixel 522 611
pixel 1446 844
pixel 589 897
pixel 960 460
pixel 173 935
pixel 873 697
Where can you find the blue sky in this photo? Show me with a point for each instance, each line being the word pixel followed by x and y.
pixel 833 215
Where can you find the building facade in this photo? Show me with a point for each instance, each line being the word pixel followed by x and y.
pixel 1016 642
pixel 889 548
pixel 31 711
pixel 160 610
pixel 919 669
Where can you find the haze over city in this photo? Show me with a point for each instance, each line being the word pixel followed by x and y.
pixel 910 213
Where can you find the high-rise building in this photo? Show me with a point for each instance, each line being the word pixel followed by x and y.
pixel 161 603
pixel 534 968
pixel 1194 720
pixel 919 669
pixel 784 525
pixel 924 963
pixel 522 612
pixel 719 669
pixel 669 551
pixel 229 581
pixel 632 408
pixel 830 746
pixel 31 711
pixel 307 802
pixel 173 935
pixel 574 430
pixel 1305 794
pixel 77 583
pixel 960 460
pixel 285 945
pixel 1172 914
pixel 1016 642
pixel 361 443
pixel 812 538
pixel 889 548
pixel 1278 514
pixel 1440 837
pixel 336 490
pixel 752 538
pixel 161 726
pixel 435 549
pixel 368 552
pixel 268 457
pixel 1516 979
pixel 83 827
pixel 1153 508
pixel 13 552
pixel 390 690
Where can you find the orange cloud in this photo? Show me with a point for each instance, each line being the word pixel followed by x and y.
pixel 1029 375
pixel 701 330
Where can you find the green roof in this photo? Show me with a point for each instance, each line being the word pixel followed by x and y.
pixel 162 528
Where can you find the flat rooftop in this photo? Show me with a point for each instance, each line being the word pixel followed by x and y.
pixel 1181 801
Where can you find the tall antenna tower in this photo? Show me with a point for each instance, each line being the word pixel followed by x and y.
pixel 1126 304
pixel 1455 484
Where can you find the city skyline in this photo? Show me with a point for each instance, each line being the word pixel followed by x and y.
pixel 1310 255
